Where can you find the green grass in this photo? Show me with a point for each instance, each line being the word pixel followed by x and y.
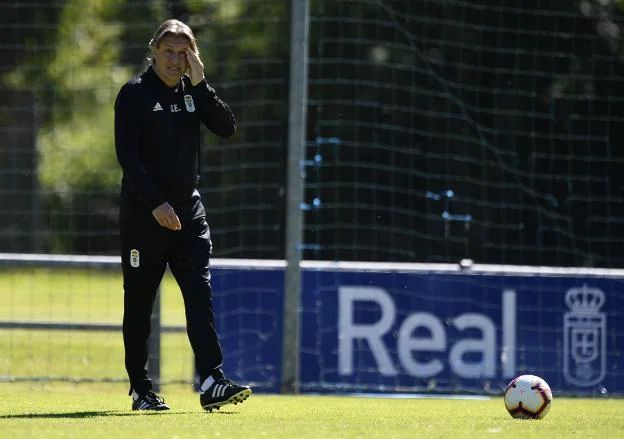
pixel 75 295
pixel 102 411
pixel 79 296
pixel 82 354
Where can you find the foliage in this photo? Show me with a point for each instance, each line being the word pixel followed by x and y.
pixel 76 145
pixel 93 47
pixel 77 53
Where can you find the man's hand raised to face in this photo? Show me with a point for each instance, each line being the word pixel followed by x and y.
pixel 196 67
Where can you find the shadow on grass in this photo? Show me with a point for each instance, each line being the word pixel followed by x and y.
pixel 104 413
pixel 76 415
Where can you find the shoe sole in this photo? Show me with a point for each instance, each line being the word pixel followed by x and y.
pixel 153 409
pixel 234 399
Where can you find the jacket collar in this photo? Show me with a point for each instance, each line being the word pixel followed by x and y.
pixel 152 77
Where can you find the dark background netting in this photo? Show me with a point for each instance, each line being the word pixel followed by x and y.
pixel 487 129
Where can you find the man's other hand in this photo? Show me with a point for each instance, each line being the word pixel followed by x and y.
pixel 166 217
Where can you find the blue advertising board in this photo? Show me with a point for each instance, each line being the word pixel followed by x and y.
pixel 415 331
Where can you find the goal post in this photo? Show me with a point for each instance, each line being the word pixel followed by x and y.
pixel 295 190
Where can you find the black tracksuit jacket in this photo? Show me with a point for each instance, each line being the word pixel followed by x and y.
pixel 157 137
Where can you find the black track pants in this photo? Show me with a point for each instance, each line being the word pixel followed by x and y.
pixel 146 249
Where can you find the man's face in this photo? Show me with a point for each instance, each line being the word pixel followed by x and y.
pixel 171 62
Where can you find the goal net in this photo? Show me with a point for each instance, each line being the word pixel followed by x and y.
pixel 438 130
pixel 456 129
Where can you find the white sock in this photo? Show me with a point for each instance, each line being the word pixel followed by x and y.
pixel 206 384
pixel 135 395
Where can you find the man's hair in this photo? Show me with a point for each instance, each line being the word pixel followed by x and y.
pixel 175 28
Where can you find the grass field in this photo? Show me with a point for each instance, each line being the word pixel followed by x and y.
pixel 75 295
pixel 79 296
pixel 102 411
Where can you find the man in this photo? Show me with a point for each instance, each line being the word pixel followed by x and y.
pixel 162 219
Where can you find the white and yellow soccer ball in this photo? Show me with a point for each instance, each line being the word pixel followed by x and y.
pixel 528 397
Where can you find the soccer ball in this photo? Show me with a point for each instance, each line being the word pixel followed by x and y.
pixel 528 397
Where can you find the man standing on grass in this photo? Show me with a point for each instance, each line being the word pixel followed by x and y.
pixel 162 218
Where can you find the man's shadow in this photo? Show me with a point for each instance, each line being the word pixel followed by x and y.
pixel 95 414
pixel 68 415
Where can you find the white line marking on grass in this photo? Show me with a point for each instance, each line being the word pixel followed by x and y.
pixel 405 395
